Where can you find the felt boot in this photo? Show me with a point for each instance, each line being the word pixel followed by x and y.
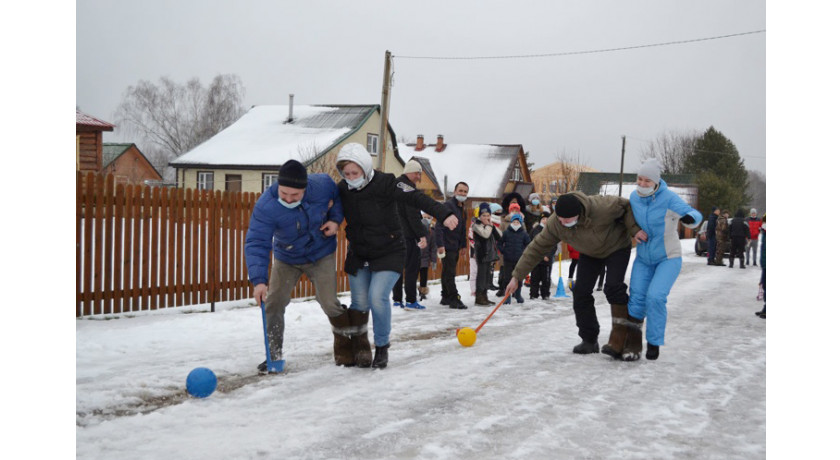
pixel 342 341
pixel 633 345
pixel 618 335
pixel 361 345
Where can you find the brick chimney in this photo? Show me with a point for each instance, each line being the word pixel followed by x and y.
pixel 440 145
pixel 420 145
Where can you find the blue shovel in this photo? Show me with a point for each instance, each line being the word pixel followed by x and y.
pixel 273 367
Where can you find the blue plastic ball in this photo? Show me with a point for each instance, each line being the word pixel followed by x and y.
pixel 201 382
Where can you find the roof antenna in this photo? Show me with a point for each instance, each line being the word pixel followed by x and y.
pixel 291 108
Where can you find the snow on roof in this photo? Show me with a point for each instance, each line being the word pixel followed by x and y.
pixel 483 167
pixel 262 137
pixel 87 120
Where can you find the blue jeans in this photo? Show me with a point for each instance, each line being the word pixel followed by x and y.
pixel 371 291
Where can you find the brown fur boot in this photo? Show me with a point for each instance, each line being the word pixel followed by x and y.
pixel 618 335
pixel 481 299
pixel 633 345
pixel 342 342
pixel 361 345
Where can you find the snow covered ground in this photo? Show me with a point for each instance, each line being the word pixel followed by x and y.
pixel 519 392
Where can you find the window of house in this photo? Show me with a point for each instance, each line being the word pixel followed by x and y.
pixel 517 175
pixel 373 143
pixel 204 181
pixel 268 179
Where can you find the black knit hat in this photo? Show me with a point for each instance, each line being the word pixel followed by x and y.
pixel 292 174
pixel 567 206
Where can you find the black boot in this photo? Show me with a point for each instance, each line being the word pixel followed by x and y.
pixel 731 262
pixel 585 348
pixel 380 361
pixel 652 352
pixel 361 344
pixel 457 304
pixel 742 263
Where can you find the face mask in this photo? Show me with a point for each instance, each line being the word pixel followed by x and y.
pixel 515 226
pixel 535 202
pixel 571 224
pixel 461 198
pixel 427 221
pixel 289 205
pixel 356 183
pixel 441 255
pixel 644 191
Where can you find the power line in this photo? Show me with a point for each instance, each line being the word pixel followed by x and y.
pixel 700 150
pixel 571 53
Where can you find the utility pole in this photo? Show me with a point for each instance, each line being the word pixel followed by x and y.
pixel 383 109
pixel 621 174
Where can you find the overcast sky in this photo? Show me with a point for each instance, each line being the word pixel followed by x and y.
pixel 331 52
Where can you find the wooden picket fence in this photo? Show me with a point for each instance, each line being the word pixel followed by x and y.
pixel 144 248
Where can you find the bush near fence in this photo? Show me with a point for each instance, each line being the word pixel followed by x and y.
pixel 144 248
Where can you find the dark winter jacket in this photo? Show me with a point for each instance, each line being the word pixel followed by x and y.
pixel 295 234
pixel 486 240
pixel 553 252
pixel 428 255
pixel 513 244
pixel 374 233
pixel 711 226
pixel 739 229
pixel 410 218
pixel 763 249
pixel 452 240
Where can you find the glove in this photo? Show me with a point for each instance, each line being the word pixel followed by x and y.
pixel 687 219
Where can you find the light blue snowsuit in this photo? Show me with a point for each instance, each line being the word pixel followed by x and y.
pixel 659 259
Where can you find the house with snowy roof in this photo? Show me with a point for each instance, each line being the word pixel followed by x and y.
pixel 247 155
pixel 128 165
pixel 89 131
pixel 490 170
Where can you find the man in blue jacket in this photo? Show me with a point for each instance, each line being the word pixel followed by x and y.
pixel 298 217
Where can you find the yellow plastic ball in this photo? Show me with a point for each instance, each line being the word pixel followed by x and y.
pixel 466 336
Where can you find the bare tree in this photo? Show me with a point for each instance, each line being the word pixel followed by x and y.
pixel 309 156
pixel 567 175
pixel 757 189
pixel 671 149
pixel 170 119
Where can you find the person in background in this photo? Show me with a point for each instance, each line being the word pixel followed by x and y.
pixel 415 240
pixel 755 228
pixel 511 202
pixel 452 244
pixel 658 211
pixel 541 274
pixel 533 211
pixel 722 237
pixel 486 253
pixel 512 244
pixel 739 234
pixel 428 256
pixel 711 239
pixel 375 244
pixel 297 219
pixel 763 282
pixel 600 228
pixel 473 263
pixel 496 220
